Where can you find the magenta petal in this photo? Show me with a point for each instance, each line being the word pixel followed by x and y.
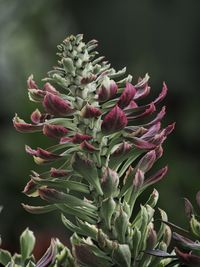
pixel 31 83
pixel 41 153
pixel 23 127
pixel 50 89
pixel 142 92
pixel 54 131
pixel 30 188
pixel 158 118
pixel 44 154
pixel 138 179
pixel 156 177
pixel 88 147
pixel 107 90
pixel 79 138
pixel 152 131
pixel 36 116
pixel 169 129
pixel 127 95
pixel 114 121
pixel 142 144
pixel 55 105
pixel 147 161
pixel 88 111
pixel 58 173
pixel 131 105
pixel 64 140
pixel 122 149
pixel 30 151
pixel 149 110
pixel 188 258
pixel 161 95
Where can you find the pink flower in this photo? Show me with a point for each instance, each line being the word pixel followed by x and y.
pixel 89 111
pixel 107 90
pixel 54 131
pixel 55 105
pixel 114 121
pixel 127 95
pixel 23 127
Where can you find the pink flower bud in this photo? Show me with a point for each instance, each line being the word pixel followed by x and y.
pixel 79 138
pixel 158 118
pixel 55 105
pixel 58 173
pixel 50 89
pixel 142 144
pixel 132 105
pixel 31 83
pixel 40 153
pixel 142 91
pixel 161 95
pixel 123 148
pixel 127 95
pixel 107 90
pixel 159 152
pixel 36 116
pixel 88 111
pixel 88 79
pixel 187 258
pixel 88 147
pixel 114 121
pixel 169 129
pixel 138 179
pixel 147 161
pixel 151 238
pixel 152 131
pixel 54 131
pixel 149 110
pixel 109 182
pixel 50 194
pixel 31 188
pixel 23 127
pixel 156 177
pixel 64 140
pixel 36 95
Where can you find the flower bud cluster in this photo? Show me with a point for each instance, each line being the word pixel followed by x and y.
pixel 106 143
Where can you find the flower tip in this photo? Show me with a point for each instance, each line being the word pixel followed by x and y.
pixel 31 83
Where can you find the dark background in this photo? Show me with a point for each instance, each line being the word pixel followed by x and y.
pixel 155 36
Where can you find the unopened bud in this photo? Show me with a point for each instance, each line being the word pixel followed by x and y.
pixel 127 95
pixel 114 121
pixel 107 90
pixel 109 183
pixel 89 111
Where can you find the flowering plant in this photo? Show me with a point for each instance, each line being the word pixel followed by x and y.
pixel 105 144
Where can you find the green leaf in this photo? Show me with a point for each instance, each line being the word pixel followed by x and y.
pixel 78 213
pixel 72 227
pixel 27 243
pixel 5 257
pixel 30 264
pixel 89 229
pixel 88 170
pixel 195 226
pixel 39 209
pixel 122 256
pixel 60 184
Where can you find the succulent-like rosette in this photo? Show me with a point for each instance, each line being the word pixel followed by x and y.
pixel 106 143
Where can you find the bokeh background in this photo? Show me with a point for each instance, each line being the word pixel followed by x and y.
pixel 155 36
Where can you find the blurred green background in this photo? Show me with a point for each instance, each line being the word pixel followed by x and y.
pixel 155 36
